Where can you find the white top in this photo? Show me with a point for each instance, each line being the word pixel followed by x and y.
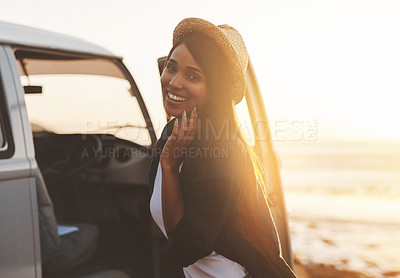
pixel 211 266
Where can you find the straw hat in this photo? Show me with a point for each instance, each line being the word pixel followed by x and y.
pixel 229 41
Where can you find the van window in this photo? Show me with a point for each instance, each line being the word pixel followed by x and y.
pixel 85 104
pixel 2 141
pixel 6 140
pixel 80 94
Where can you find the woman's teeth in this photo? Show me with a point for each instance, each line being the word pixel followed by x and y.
pixel 176 98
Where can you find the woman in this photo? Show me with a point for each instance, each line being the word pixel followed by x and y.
pixel 206 182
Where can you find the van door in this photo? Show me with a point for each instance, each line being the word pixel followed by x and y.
pixel 265 150
pixel 19 237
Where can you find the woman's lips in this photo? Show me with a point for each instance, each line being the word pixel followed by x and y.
pixel 175 98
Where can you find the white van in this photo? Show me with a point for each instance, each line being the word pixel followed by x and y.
pixel 74 200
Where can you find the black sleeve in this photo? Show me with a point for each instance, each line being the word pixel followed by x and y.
pixel 209 198
pixel 156 153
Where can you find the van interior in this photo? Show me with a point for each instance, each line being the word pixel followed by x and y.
pixel 93 148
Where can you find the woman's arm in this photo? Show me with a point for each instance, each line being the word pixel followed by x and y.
pixel 172 201
pixel 212 187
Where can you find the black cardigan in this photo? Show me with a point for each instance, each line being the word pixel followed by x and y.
pixel 221 213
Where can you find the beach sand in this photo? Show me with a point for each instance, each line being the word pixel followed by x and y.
pixel 319 254
pixel 326 236
pixel 343 206
pixel 325 271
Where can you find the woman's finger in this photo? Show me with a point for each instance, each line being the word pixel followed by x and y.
pixel 184 121
pixel 195 120
pixel 190 122
pixel 175 129
pixel 181 131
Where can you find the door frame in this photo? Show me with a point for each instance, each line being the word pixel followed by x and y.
pixel 18 206
pixel 266 152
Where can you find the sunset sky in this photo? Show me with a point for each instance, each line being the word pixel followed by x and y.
pixel 332 63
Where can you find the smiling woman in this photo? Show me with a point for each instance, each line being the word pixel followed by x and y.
pixel 211 208
pixel 183 83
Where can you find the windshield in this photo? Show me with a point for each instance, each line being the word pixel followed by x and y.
pixel 86 104
pixel 80 94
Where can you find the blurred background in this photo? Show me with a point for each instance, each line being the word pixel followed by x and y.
pixel 329 72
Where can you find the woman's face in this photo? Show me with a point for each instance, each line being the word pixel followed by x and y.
pixel 183 83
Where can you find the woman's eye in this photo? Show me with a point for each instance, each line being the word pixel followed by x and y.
pixel 192 76
pixel 170 68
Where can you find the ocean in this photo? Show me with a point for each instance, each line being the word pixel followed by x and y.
pixel 343 204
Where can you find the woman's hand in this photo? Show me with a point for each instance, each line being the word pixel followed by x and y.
pixel 182 135
pixel 171 158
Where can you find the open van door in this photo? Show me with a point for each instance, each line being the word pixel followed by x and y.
pixel 252 105
pixel 19 240
pixel 265 150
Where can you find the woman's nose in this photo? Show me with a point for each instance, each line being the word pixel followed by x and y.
pixel 176 81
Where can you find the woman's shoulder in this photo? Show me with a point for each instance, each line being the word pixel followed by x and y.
pixel 220 164
pixel 231 143
pixel 225 154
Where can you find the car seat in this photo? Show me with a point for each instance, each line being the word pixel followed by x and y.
pixel 63 253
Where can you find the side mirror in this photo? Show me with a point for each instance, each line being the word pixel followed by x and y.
pixel 33 89
pixel 161 62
